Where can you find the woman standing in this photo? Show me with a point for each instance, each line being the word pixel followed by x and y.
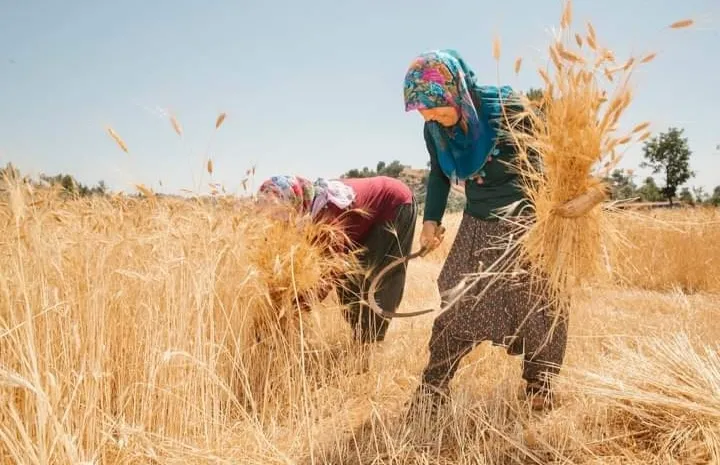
pixel 462 134
pixel 378 216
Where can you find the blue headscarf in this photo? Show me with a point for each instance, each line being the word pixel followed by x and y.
pixel 442 78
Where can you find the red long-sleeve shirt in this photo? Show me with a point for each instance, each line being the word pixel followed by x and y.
pixel 377 197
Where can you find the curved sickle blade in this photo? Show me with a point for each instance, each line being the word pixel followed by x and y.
pixel 373 287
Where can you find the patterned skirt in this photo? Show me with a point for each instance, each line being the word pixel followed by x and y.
pixel 508 309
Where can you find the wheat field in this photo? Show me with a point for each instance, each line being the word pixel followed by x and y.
pixel 162 331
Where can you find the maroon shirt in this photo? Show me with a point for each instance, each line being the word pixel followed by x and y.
pixel 378 197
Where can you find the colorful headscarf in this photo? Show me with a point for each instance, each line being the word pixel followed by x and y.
pixel 334 191
pixel 298 190
pixel 442 78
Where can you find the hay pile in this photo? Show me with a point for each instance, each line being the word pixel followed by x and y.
pixel 667 406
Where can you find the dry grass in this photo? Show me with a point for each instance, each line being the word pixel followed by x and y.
pixel 127 336
pixel 669 250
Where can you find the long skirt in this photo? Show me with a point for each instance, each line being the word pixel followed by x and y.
pixel 512 312
pixel 385 242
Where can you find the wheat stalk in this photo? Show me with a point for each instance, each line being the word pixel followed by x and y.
pixel 518 64
pixel 220 119
pixel 496 48
pixel 118 140
pixel 682 24
pixel 176 125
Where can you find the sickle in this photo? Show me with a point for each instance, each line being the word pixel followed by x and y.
pixel 457 293
pixel 373 285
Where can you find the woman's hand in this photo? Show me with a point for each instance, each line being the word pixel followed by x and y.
pixel 581 204
pixel 431 236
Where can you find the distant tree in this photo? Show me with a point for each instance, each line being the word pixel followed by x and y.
pixel 715 197
pixel 622 185
pixel 66 182
pixel 700 195
pixel 649 191
pixel 72 186
pixel 69 184
pixel 392 170
pixel 669 154
pixel 101 188
pixel 534 94
pixel 686 196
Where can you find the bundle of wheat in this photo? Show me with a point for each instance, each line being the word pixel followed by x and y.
pixel 572 142
pixel 296 259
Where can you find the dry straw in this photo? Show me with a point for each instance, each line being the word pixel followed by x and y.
pixel 219 121
pixel 496 48
pixel 118 140
pixel 518 64
pixel 572 145
pixel 682 24
pixel 176 125
pixel 669 398
pixel 146 191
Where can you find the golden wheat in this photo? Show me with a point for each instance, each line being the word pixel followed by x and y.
pixel 518 64
pixel 156 329
pixel 575 138
pixel 682 24
pixel 176 125
pixel 118 140
pixel 168 331
pixel 496 48
pixel 689 241
pixel 220 119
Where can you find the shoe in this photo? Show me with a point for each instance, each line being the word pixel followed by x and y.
pixel 540 396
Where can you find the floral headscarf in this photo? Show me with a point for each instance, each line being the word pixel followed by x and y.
pixel 334 191
pixel 298 190
pixel 442 78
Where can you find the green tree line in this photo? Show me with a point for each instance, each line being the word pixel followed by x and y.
pixel 66 182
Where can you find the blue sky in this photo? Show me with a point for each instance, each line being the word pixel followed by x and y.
pixel 311 88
